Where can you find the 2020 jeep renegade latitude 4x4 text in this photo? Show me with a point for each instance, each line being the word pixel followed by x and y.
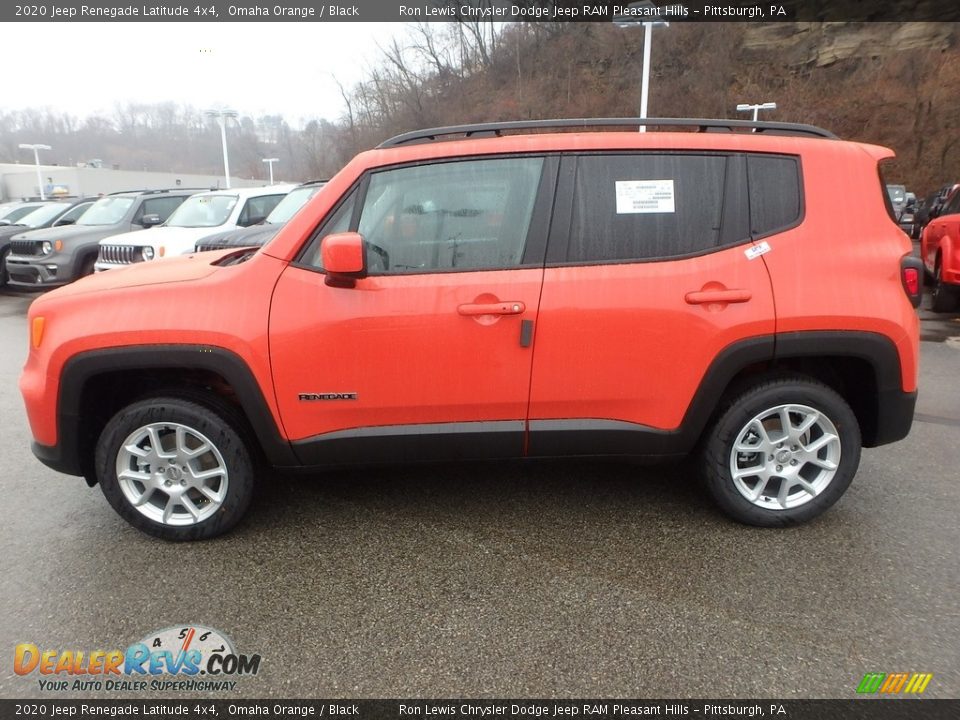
pixel 455 295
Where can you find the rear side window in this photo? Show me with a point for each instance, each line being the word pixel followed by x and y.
pixel 256 209
pixel 774 193
pixel 162 206
pixel 645 205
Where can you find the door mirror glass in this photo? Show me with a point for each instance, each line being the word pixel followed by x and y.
pixel 150 220
pixel 343 258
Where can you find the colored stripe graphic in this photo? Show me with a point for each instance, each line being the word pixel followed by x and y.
pixel 871 682
pixel 894 683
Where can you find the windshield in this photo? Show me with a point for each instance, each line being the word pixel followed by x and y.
pixel 106 211
pixel 43 215
pixel 293 201
pixel 203 211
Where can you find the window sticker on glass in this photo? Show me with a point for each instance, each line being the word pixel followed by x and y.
pixel 645 196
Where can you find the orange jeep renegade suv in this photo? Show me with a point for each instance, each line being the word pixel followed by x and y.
pixel 465 292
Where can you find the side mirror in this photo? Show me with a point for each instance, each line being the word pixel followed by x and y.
pixel 253 220
pixel 67 221
pixel 343 259
pixel 148 221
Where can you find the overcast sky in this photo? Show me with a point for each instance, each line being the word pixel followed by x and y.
pixel 276 68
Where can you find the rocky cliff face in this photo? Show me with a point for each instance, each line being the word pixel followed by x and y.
pixel 822 44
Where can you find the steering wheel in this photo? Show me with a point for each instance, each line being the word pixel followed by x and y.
pixel 382 263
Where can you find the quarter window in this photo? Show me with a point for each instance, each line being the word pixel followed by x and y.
pixel 645 205
pixel 470 215
pixel 774 193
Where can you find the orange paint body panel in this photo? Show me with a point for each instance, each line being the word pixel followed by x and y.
pixel 402 345
pixel 178 301
pixel 630 341
pixel 941 240
pixel 622 341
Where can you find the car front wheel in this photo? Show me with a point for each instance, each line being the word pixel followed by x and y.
pixel 175 469
pixel 782 452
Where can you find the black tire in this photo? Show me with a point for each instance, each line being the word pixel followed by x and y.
pixel 87 267
pixel 717 450
pixel 943 297
pixel 3 267
pixel 229 451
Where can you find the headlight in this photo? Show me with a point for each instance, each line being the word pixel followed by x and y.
pixel 147 252
pixel 46 247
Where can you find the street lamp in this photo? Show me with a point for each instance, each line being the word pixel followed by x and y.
pixel 747 107
pixel 271 161
pixel 36 161
pixel 222 114
pixel 636 11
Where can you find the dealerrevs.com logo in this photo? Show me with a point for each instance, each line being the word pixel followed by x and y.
pixel 180 658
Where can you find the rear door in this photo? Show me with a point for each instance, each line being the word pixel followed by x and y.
pixel 651 275
pixel 429 356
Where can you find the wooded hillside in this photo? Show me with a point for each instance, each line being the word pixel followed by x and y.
pixel 891 84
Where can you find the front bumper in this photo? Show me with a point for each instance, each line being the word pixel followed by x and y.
pixel 36 272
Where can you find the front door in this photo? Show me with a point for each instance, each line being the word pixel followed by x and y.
pixel 429 356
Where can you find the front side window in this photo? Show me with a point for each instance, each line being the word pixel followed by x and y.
pixel 952 207
pixel 203 211
pixel 71 216
pixel 645 205
pixel 469 215
pixel 106 211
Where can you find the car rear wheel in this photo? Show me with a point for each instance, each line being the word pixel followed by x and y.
pixel 943 297
pixel 175 469
pixel 782 452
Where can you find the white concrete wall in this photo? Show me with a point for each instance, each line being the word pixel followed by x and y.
pixel 17 181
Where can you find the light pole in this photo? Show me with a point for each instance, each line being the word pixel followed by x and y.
pixel 222 114
pixel 270 162
pixel 636 11
pixel 36 161
pixel 747 107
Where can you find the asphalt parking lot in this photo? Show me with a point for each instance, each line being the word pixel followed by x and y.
pixel 572 579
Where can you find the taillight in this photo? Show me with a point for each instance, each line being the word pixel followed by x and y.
pixel 910 274
pixel 911 280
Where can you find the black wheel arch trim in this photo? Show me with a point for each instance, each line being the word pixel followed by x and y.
pixel 67 457
pixel 893 408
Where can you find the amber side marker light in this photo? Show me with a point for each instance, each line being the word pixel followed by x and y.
pixel 58 245
pixel 36 331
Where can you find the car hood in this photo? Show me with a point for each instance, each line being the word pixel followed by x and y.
pixel 169 270
pixel 242 237
pixel 68 232
pixel 8 231
pixel 177 237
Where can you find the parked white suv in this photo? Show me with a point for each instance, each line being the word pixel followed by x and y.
pixel 197 217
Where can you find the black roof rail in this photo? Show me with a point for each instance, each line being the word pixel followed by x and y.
pixel 144 191
pixel 497 129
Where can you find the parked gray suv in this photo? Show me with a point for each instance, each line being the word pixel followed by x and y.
pixel 60 255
